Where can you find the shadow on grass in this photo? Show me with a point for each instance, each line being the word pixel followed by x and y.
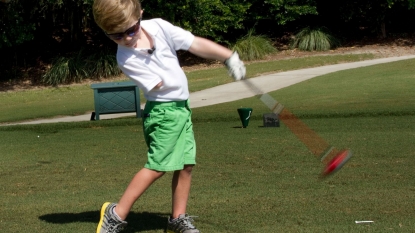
pixel 137 222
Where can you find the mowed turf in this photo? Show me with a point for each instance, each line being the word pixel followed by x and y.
pixel 55 177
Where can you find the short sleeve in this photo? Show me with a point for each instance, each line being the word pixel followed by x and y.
pixel 179 38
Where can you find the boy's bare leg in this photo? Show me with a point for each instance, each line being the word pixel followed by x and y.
pixel 180 190
pixel 138 185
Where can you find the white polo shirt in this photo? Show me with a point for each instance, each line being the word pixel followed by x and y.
pixel 147 70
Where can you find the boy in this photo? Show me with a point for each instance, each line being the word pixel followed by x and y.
pixel 147 55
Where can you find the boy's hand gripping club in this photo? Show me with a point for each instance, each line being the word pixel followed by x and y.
pixel 236 67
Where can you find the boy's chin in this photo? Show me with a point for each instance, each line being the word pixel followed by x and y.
pixel 130 45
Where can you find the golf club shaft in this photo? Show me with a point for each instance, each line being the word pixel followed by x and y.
pixel 316 144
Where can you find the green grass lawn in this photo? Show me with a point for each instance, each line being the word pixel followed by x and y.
pixel 55 177
pixel 255 176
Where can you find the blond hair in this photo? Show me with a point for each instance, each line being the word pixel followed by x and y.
pixel 116 15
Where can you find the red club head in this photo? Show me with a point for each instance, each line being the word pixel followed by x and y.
pixel 337 162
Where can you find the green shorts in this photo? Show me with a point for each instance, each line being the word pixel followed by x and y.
pixel 168 131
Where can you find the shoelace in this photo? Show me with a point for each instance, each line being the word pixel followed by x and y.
pixel 114 226
pixel 187 221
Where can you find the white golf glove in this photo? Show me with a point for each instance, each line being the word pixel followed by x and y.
pixel 236 67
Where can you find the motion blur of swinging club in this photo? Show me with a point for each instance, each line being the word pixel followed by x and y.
pixel 333 158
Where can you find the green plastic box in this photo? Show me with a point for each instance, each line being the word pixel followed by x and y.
pixel 116 97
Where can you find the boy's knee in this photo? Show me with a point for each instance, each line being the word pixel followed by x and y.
pixel 188 168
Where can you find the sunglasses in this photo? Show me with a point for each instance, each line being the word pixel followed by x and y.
pixel 129 32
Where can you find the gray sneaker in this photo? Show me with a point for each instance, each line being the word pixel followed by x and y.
pixel 183 224
pixel 109 222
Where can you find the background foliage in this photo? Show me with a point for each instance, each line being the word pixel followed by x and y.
pixel 310 39
pixel 34 33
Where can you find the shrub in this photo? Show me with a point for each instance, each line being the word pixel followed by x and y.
pixel 79 66
pixel 58 73
pixel 102 65
pixel 310 39
pixel 254 47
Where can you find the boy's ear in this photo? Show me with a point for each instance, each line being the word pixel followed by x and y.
pixel 141 13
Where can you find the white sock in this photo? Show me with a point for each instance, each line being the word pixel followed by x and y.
pixel 116 215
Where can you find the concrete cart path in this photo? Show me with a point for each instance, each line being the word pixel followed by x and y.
pixel 240 90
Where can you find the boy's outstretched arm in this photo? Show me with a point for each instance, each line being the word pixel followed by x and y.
pixel 205 48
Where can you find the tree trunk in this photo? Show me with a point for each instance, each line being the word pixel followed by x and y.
pixel 383 29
